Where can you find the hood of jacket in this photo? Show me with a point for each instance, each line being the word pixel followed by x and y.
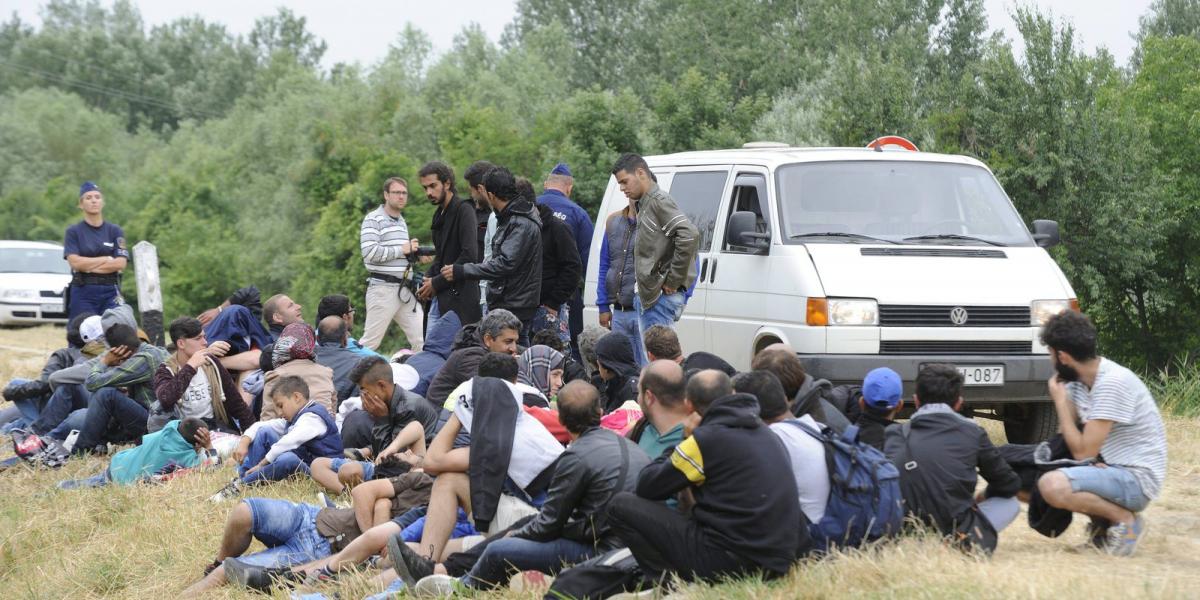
pixel 737 410
pixel 810 394
pixel 615 352
pixel 467 337
pixel 519 208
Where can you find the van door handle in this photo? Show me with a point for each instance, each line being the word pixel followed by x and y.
pixel 703 269
pixel 713 273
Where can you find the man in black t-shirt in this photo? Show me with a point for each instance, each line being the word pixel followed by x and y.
pixel 95 250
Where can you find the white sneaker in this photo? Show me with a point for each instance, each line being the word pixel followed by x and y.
pixel 437 586
pixel 232 489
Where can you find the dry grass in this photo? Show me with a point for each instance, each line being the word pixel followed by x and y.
pixel 151 542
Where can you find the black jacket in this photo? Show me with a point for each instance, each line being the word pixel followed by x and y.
pixel 812 398
pixel 872 428
pixel 561 264
pixel 481 221
pixel 744 501
pixel 455 234
pixel 616 354
pixel 462 364
pixel 341 361
pixel 403 409
pixel 587 475
pixel 938 465
pixel 514 272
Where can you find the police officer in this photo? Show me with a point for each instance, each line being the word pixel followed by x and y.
pixel 96 251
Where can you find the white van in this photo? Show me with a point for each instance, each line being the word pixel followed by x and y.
pixel 866 257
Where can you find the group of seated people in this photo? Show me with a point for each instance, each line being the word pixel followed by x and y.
pixel 477 460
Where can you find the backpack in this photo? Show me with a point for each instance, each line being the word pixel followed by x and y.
pixel 864 492
pixel 599 577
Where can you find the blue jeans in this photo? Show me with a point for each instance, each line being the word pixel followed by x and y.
pixel 237 325
pixel 462 527
pixel 65 400
pixel 1000 512
pixel 666 310
pixel 284 466
pixel 368 467
pixel 627 322
pixel 76 420
pixel 288 530
pixel 1111 483
pixel 93 298
pixel 542 320
pixel 515 554
pixel 109 405
pixel 98 480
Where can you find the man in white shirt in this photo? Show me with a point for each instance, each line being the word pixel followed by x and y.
pixel 385 247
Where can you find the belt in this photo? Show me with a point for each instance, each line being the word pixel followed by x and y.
pixel 622 307
pixel 387 278
pixel 95 279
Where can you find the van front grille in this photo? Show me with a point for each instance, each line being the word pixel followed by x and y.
pixel 939 252
pixel 911 315
pixel 954 347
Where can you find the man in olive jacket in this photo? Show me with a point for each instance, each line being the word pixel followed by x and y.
pixel 665 248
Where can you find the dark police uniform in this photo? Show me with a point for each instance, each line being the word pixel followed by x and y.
pixel 94 292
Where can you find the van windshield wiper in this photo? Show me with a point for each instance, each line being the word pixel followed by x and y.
pixel 841 234
pixel 952 236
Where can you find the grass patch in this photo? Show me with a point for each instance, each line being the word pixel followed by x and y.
pixel 1177 388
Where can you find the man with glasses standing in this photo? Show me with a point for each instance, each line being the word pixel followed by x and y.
pixel 385 247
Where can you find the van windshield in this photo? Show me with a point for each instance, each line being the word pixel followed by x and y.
pixel 896 202
pixel 33 260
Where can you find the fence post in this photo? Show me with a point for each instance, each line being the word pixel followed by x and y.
pixel 145 265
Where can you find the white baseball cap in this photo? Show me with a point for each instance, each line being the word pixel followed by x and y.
pixel 91 329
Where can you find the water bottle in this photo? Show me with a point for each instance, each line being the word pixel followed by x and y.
pixel 69 444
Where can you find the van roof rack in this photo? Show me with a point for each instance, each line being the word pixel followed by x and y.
pixel 765 144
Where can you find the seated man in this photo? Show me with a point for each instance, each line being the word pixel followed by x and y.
pixel 274 450
pixel 114 415
pixel 938 452
pixel 236 321
pixel 338 305
pixel 618 370
pixel 402 424
pixel 497 332
pixel 1122 429
pixel 571 526
pixel 664 408
pixel 878 405
pixel 807 454
pixel 332 352
pixel 30 396
pixel 806 393
pixel 662 343
pixel 746 518
pixel 183 443
pixel 193 383
pixel 279 311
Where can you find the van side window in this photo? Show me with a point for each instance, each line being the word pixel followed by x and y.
pixel 698 194
pixel 749 195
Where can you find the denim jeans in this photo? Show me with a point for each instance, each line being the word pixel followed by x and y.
pixel 368 467
pixel 236 325
pixel 543 320
pixel 1112 483
pixel 98 480
pixel 76 420
pixel 109 405
pixel 627 322
pixel 283 467
pixel 510 554
pixel 288 530
pixel 1000 512
pixel 65 400
pixel 666 310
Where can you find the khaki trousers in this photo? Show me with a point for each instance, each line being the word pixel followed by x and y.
pixel 387 302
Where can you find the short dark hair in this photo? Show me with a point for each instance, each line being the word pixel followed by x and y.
pixel 387 183
pixel 444 173
pixel 288 385
pixel 785 365
pixel 706 387
pixel 579 406
pixel 668 388
pixel 498 365
pixel 370 370
pixel 1071 332
pixel 184 328
pixel 765 386
pixel 188 428
pixel 630 162
pixel 333 305
pixel 476 172
pixel 547 337
pixel 939 383
pixel 525 190
pixel 120 334
pixel 331 329
pixel 662 342
pixel 501 183
pixel 270 307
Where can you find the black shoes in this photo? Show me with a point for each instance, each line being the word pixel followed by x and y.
pixel 262 579
pixel 410 566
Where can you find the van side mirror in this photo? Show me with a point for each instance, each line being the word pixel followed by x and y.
pixel 1045 233
pixel 742 230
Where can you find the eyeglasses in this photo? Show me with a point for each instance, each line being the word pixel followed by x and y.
pixel 397 192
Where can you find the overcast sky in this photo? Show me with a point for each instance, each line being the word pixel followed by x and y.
pixel 361 30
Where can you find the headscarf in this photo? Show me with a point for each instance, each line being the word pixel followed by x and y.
pixel 534 366
pixel 295 342
pixel 615 352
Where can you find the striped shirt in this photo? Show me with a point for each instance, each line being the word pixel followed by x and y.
pixel 382 240
pixel 1137 441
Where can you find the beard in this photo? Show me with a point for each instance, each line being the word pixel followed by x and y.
pixel 1066 373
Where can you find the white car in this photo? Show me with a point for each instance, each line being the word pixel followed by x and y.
pixel 33 276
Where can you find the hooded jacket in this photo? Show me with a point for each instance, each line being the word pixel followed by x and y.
pixel 665 247
pixel 439 342
pixel 616 354
pixel 745 502
pixel 455 233
pixel 462 364
pixel 514 272
pixel 561 264
pixel 811 399
pixel 156 451
pixel 341 360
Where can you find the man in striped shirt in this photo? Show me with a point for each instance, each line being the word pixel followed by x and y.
pixel 1122 432
pixel 385 246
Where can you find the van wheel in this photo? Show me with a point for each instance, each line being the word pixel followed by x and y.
pixel 1031 424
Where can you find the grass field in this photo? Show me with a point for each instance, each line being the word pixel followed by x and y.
pixel 151 542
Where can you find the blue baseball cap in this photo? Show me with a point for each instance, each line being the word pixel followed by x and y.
pixel 882 388
pixel 561 169
pixel 88 187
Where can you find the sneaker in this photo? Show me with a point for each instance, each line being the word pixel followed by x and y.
pixel 439 586
pixel 232 489
pixel 53 455
pixel 27 444
pixel 259 578
pixel 410 566
pixel 1123 538
pixel 529 581
pixel 1097 534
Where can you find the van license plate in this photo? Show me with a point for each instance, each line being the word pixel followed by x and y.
pixel 52 308
pixel 982 374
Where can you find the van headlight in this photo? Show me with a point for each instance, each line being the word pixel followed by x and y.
pixel 12 294
pixel 845 311
pixel 1042 310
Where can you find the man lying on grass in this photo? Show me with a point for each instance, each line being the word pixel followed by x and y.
pixel 1121 428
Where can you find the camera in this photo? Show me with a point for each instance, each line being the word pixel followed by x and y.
pixel 423 251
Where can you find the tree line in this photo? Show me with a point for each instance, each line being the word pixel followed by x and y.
pixel 246 161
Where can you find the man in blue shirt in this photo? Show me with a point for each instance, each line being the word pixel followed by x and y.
pixel 95 250
pixel 557 196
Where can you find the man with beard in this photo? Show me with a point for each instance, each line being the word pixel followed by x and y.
pixel 454 238
pixel 1122 431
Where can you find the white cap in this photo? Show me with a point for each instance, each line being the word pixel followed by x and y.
pixel 91 329
pixel 405 376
